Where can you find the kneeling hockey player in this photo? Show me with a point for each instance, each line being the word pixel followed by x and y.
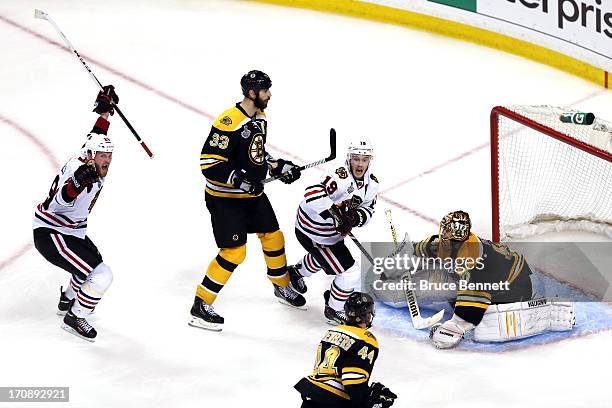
pixel 344 363
pixel 345 199
pixel 495 315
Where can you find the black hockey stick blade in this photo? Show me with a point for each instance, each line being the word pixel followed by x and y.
pixel 332 144
pixel 332 152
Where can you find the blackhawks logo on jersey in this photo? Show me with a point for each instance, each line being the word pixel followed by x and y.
pixel 256 149
pixel 353 202
pixel 341 172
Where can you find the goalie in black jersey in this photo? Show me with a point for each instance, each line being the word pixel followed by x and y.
pixel 496 296
pixel 344 363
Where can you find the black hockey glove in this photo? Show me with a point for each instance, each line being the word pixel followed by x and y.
pixel 292 171
pixel 105 99
pixel 85 176
pixel 380 396
pixel 352 215
pixel 240 180
pixel 341 221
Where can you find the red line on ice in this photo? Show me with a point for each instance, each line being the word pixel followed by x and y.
pixel 172 99
pixel 52 161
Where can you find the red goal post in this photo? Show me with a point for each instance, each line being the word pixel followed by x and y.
pixel 548 175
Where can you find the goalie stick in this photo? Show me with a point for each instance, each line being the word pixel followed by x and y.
pixel 418 321
pixel 332 156
pixel 44 16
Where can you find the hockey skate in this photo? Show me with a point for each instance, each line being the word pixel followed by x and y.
pixel 296 279
pixel 333 317
pixel 203 316
pixel 78 325
pixel 64 303
pixel 289 297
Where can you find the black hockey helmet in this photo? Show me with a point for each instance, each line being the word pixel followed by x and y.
pixel 360 308
pixel 255 80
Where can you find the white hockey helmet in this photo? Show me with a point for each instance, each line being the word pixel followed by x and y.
pixel 98 143
pixel 361 145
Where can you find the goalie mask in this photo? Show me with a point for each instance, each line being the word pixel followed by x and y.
pixel 455 226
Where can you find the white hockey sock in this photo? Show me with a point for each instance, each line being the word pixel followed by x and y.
pixel 309 266
pixel 73 287
pixel 92 290
pixel 338 296
pixel 343 285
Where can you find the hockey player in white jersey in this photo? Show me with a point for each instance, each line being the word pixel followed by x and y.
pixel 343 200
pixel 60 223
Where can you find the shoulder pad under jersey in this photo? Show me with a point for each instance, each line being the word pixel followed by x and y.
pixel 230 120
pixel 341 172
pixel 358 333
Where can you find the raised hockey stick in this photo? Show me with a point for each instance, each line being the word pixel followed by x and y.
pixel 44 16
pixel 418 321
pixel 332 156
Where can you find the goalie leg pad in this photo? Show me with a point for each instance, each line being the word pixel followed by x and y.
pixel 563 316
pixel 519 320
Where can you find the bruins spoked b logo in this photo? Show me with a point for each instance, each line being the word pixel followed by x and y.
pixel 256 149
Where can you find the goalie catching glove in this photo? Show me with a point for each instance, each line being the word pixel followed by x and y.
pixel 288 171
pixel 105 100
pixel 380 396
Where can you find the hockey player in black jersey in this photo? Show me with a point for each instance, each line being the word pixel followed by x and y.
pixel 344 363
pixel 234 161
pixel 496 297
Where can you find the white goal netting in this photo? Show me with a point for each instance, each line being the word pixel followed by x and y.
pixel 545 184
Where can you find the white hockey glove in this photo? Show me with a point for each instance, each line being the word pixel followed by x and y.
pixel 448 334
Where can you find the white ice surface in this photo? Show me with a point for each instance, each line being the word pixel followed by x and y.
pixel 422 98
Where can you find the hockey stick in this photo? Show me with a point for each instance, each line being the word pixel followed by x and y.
pixel 365 253
pixel 332 156
pixel 415 313
pixel 361 248
pixel 44 16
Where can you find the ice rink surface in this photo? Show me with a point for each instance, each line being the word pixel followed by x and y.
pixel 422 98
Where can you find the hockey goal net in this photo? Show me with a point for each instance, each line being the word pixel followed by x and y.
pixel 547 174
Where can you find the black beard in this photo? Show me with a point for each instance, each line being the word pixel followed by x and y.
pixel 260 104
